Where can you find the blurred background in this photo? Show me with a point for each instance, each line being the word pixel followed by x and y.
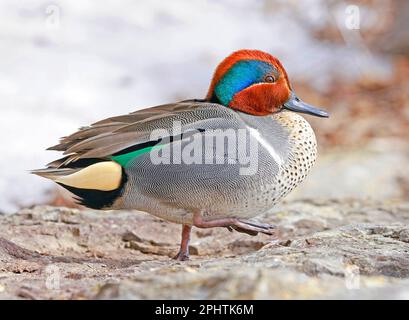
pixel 65 64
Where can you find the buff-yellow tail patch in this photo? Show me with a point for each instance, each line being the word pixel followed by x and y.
pixel 104 176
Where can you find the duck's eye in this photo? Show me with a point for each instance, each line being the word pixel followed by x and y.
pixel 270 79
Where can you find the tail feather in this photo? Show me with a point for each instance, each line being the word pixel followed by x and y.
pixel 54 173
pixel 96 185
pixel 103 176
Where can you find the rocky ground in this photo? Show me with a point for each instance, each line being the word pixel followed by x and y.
pixel 324 249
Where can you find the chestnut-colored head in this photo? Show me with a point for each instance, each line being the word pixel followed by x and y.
pixel 255 82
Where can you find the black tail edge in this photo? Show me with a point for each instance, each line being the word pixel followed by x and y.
pixel 97 199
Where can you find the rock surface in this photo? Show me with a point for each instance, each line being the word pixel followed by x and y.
pixel 324 249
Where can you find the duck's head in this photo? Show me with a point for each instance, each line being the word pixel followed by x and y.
pixel 255 82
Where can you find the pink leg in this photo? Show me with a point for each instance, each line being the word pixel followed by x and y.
pixel 183 253
pixel 249 227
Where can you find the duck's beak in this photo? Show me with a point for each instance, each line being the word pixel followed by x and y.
pixel 295 104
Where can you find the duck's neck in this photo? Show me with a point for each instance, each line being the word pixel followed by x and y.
pixel 214 99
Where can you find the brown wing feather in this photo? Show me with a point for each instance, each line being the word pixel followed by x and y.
pixel 108 136
pixel 83 134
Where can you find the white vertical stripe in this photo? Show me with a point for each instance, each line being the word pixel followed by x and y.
pixel 256 134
